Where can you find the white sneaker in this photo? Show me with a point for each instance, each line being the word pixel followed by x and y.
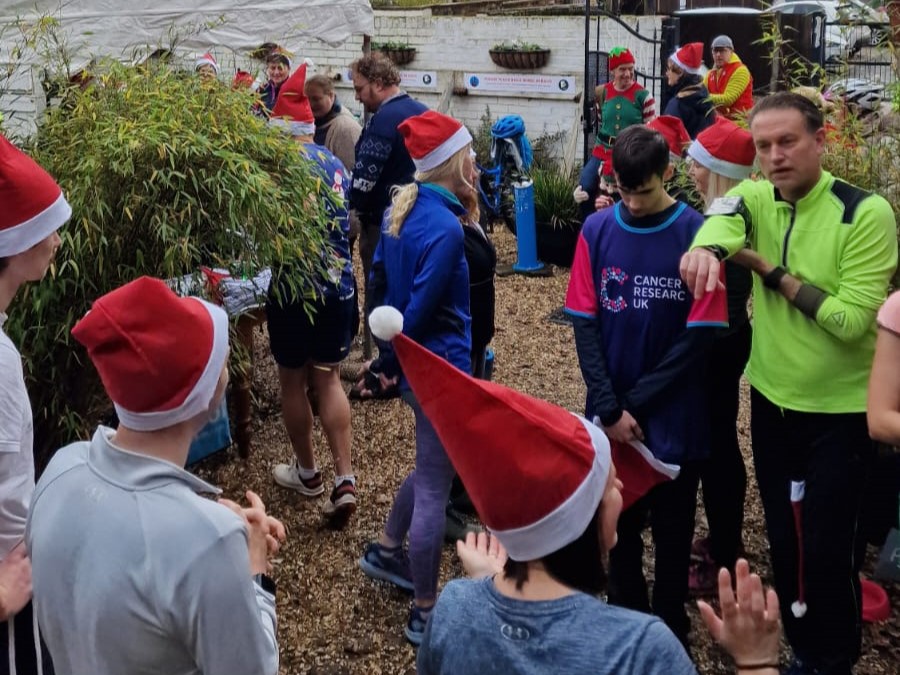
pixel 288 475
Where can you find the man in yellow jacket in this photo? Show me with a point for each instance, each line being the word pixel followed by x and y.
pixel 729 83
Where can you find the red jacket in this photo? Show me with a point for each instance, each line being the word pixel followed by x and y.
pixel 717 84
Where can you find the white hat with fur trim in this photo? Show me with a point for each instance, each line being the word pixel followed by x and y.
pixel 207 60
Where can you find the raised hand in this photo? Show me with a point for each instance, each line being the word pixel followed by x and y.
pixel 481 555
pixel 750 627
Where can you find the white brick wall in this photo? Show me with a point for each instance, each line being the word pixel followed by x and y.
pixel 460 44
pixel 451 45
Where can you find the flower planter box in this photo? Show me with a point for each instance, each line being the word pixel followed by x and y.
pixel 400 57
pixel 520 60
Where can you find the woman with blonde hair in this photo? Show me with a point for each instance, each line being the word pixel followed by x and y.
pixel 420 268
pixel 722 156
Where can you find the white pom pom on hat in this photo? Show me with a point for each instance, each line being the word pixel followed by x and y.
pixel 529 440
pixel 386 322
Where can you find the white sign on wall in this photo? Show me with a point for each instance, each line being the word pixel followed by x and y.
pixel 520 82
pixel 426 79
pixel 422 79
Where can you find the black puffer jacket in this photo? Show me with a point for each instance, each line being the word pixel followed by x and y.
pixel 482 260
pixel 690 103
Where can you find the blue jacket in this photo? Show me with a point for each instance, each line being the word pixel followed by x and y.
pixel 423 273
pixel 382 160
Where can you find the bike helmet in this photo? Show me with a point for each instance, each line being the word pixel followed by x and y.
pixel 508 127
pixel 864 94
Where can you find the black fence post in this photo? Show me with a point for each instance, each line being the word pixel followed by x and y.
pixel 671 28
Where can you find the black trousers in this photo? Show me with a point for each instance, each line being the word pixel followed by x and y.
pixel 670 508
pixel 18 655
pixel 724 476
pixel 833 454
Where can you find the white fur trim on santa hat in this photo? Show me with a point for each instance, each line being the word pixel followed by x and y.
pixel 460 139
pixel 207 60
pixel 386 322
pixel 201 395
pixel 728 169
pixel 21 237
pixel 688 69
pixel 293 127
pixel 569 520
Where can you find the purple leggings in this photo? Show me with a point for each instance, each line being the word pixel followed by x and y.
pixel 420 506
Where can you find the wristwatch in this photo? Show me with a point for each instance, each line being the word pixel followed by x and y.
pixel 265 582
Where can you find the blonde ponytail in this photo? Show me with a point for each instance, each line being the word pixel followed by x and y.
pixel 404 199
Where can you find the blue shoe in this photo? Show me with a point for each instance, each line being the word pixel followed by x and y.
pixel 391 568
pixel 415 626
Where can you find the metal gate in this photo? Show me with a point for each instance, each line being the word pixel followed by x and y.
pixel 596 64
pixel 859 50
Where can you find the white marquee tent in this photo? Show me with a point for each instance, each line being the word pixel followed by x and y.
pixel 117 27
pixel 130 30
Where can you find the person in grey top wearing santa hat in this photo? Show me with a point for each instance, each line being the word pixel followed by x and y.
pixel 135 569
pixel 33 209
pixel 551 496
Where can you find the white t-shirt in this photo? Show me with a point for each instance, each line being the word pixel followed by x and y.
pixel 16 440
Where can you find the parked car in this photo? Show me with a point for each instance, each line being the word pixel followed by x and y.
pixel 850 25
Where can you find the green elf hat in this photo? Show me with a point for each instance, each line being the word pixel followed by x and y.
pixel 619 56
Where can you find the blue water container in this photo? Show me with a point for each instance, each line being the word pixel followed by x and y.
pixel 526 232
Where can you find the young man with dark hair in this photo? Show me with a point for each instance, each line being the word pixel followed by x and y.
pixel 823 253
pixel 639 357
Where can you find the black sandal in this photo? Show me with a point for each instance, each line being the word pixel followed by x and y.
pixel 369 388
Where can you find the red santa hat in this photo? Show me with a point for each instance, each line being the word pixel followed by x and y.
pixel 546 470
pixel 32 206
pixel 689 58
pixel 207 60
pixel 432 138
pixel 242 80
pixel 292 110
pixel 673 130
pixel 620 56
pixel 725 148
pixel 159 355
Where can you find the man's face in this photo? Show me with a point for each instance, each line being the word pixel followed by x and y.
pixel 277 72
pixel 647 199
pixel 788 153
pixel 32 265
pixel 319 101
pixel 623 76
pixel 721 56
pixel 206 73
pixel 367 92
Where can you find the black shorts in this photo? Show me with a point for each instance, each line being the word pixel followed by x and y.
pixel 296 338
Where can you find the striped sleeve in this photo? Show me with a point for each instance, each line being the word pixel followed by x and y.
pixel 738 81
pixel 649 109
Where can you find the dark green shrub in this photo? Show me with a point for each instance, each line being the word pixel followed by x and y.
pixel 164 175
